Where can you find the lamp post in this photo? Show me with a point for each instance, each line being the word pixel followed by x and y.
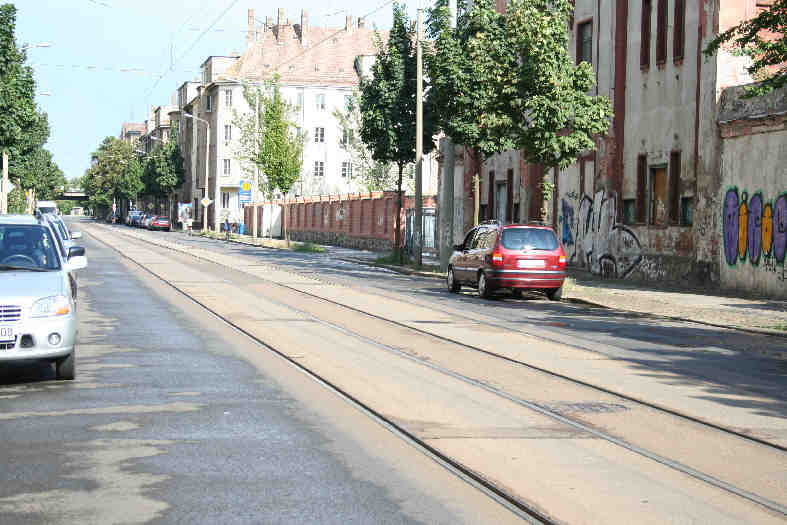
pixel 207 176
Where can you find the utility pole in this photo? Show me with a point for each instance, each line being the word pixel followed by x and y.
pixel 419 146
pixel 448 160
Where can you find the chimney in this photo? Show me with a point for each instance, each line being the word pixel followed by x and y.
pixel 174 98
pixel 250 35
pixel 348 24
pixel 361 22
pixel 268 23
pixel 260 34
pixel 280 20
pixel 304 26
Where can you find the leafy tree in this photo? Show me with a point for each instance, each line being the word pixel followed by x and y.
pixel 373 175
pixel 114 174
pixel 508 82
pixel 37 170
pixel 764 40
pixel 162 172
pixel 388 106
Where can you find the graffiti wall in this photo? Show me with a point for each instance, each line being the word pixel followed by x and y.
pixel 593 239
pixel 755 232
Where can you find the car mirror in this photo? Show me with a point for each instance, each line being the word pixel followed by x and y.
pixel 76 251
pixel 76 235
pixel 76 262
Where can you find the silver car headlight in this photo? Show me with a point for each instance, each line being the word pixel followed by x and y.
pixel 51 306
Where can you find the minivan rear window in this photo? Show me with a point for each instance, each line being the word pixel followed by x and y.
pixel 528 239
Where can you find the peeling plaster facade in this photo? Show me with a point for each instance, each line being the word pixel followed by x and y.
pixel 645 204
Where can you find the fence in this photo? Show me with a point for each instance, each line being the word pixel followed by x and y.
pixel 361 220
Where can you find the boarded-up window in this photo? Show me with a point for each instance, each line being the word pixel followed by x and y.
pixel 642 176
pixel 585 42
pixel 679 37
pixel 644 50
pixel 661 32
pixel 509 196
pixel 658 196
pixel 674 187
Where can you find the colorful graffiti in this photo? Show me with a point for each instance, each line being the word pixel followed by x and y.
pixel 599 243
pixel 754 229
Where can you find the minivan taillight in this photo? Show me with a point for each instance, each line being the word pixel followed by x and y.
pixel 562 261
pixel 497 258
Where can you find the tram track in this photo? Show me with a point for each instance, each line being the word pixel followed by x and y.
pixel 473 477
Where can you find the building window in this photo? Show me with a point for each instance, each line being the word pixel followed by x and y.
pixel 227 166
pixel 225 199
pixel 299 100
pixel 679 37
pixel 319 168
pixel 347 102
pixel 585 42
pixel 209 106
pixel 661 32
pixel 227 132
pixel 347 169
pixel 319 134
pixel 674 187
pixel 642 178
pixel 629 211
pixel 644 49
pixel 228 98
pixel 658 195
pixel 320 101
pixel 347 136
pixel 687 211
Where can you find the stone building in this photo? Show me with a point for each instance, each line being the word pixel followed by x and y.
pixel 644 204
pixel 131 132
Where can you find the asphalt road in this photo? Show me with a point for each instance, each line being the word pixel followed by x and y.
pixel 458 399
pixel 176 418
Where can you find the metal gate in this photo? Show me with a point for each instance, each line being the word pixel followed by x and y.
pixel 428 230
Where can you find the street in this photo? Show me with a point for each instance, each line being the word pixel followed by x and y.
pixel 224 382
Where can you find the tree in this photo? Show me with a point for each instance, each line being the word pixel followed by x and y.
pixel 163 171
pixel 37 171
pixel 270 141
pixel 388 106
pixel 23 129
pixel 764 40
pixel 508 82
pixel 373 175
pixel 115 173
pixel 470 72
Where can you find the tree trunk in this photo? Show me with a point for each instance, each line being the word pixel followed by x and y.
pixel 283 220
pixel 398 231
pixel 477 189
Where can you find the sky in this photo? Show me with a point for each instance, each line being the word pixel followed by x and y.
pixel 109 60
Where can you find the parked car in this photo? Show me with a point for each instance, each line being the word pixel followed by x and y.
pixel 38 305
pixel 159 222
pixel 515 256
pixel 148 219
pixel 132 217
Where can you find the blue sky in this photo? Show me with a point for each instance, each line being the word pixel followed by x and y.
pixel 106 57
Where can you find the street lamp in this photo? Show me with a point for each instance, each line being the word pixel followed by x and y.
pixel 41 44
pixel 207 177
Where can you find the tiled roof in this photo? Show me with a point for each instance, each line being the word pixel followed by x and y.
pixel 327 59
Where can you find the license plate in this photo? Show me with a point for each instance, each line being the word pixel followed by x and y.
pixel 6 333
pixel 531 263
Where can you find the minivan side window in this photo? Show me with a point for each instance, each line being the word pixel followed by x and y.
pixel 478 238
pixel 468 239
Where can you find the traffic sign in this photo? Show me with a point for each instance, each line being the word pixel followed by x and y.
pixel 206 202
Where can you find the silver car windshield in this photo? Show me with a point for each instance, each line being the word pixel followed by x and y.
pixel 27 247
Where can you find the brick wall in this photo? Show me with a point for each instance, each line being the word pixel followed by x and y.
pixel 359 220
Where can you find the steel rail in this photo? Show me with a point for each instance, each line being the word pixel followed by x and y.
pixel 675 465
pixel 507 500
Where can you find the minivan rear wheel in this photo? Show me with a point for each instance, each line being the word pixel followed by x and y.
pixel 453 285
pixel 554 294
pixel 483 286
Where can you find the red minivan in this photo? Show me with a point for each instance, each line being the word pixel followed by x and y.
pixel 513 256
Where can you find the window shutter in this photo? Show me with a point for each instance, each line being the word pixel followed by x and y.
pixel 661 29
pixel 674 187
pixel 680 34
pixel 644 50
pixel 642 182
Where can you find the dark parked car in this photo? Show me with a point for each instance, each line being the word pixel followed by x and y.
pixel 514 256
pixel 159 222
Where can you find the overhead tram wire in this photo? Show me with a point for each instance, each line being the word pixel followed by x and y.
pixel 232 4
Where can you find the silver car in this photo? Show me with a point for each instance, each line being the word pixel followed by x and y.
pixel 37 294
